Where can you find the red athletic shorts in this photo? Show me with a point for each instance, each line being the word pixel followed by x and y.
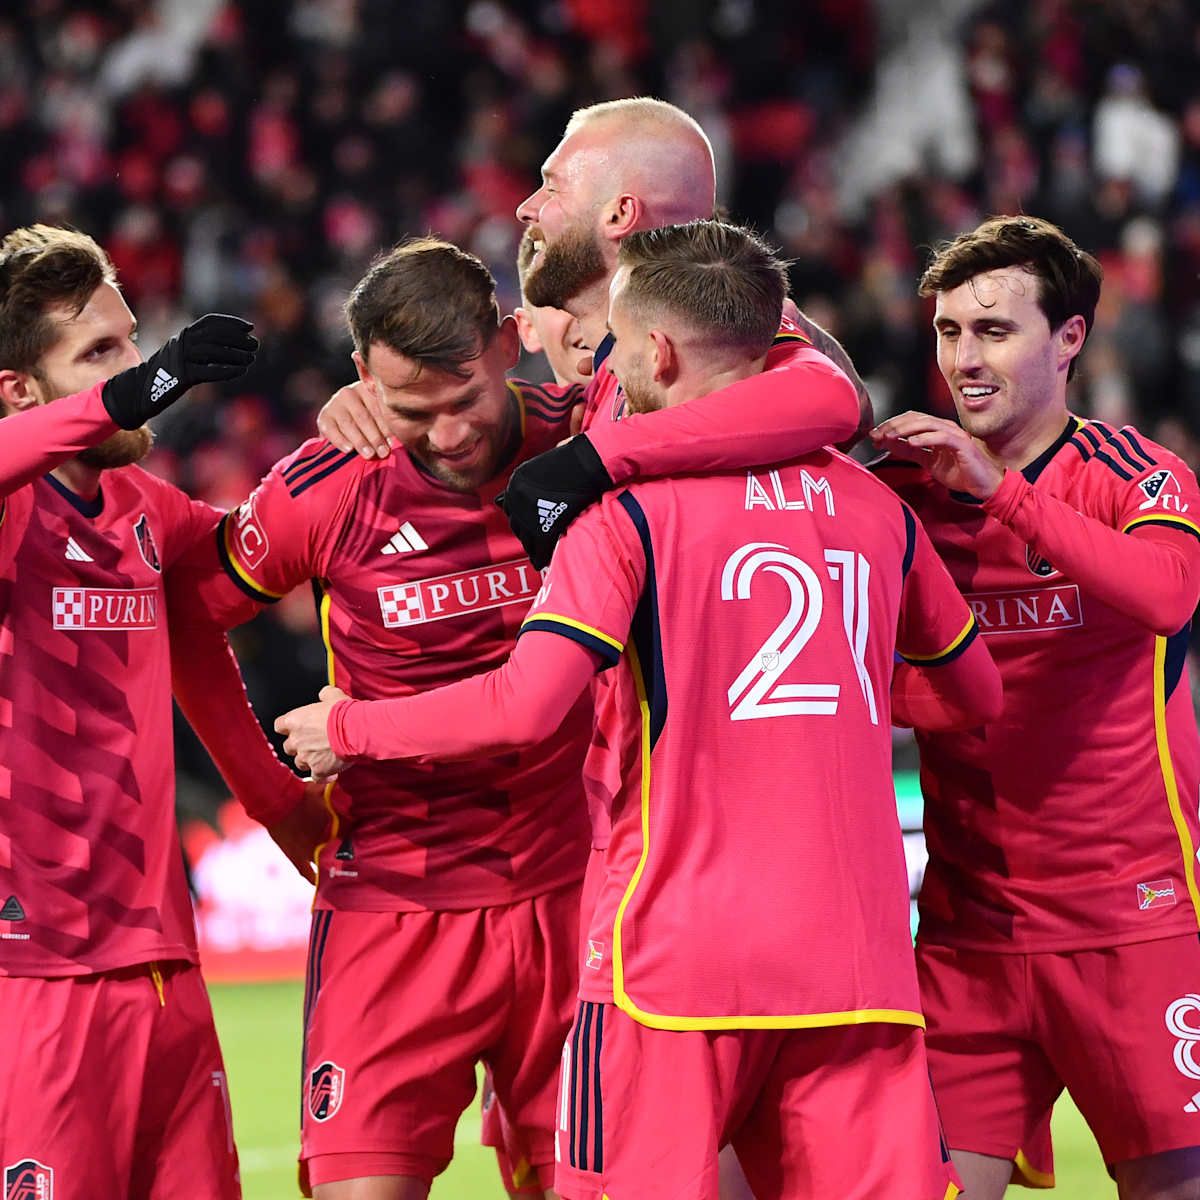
pixel 1119 1028
pixel 113 1085
pixel 844 1111
pixel 400 1007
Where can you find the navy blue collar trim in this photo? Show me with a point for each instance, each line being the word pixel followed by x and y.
pixel 85 508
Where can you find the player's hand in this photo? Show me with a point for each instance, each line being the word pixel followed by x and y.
pixel 951 455
pixel 306 731
pixel 545 494
pixel 307 826
pixel 213 349
pixel 353 419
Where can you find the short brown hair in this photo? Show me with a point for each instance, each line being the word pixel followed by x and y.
pixel 721 278
pixel 427 300
pixel 1070 277
pixel 43 268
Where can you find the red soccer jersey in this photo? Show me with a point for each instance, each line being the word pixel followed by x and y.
pixel 419 586
pixel 91 871
pixel 755 876
pixel 1071 821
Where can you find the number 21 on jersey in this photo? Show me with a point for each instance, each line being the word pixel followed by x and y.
pixel 759 691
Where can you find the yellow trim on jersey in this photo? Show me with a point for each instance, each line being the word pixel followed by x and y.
pixel 791 335
pixel 1162 518
pixel 1168 773
pixel 3 510
pixel 928 658
pixel 863 1016
pixel 245 575
pixel 335 823
pixel 156 977
pixel 571 623
pixel 1029 1174
pixel 952 1190
pixel 516 391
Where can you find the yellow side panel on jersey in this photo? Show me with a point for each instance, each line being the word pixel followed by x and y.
pixel 327 796
pixel 626 1003
pixel 1168 774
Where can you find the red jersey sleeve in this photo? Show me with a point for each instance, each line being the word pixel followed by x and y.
pixel 797 406
pixel 39 439
pixel 935 625
pixel 1136 548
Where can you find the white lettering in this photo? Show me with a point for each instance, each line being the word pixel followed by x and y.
pixel 439 593
pixel 1027 607
pixel 817 487
pixel 979 608
pixel 459 591
pixel 1058 611
pixel 781 500
pixel 496 588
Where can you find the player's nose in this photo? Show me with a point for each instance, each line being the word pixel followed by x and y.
pixel 450 435
pixel 527 210
pixel 967 353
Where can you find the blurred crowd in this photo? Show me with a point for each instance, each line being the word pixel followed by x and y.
pixel 251 156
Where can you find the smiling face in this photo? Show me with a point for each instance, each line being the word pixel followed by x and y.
pixel 93 346
pixel 461 428
pixel 1006 368
pixel 631 359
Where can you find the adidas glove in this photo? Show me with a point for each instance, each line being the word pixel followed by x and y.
pixel 215 348
pixel 548 492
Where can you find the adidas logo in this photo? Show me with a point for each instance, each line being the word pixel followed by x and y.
pixel 12 910
pixel 76 553
pixel 549 512
pixel 163 383
pixel 404 541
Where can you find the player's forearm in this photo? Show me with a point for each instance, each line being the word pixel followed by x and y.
pixel 1152 574
pixel 957 695
pixel 517 705
pixel 212 697
pixel 39 439
pixel 804 403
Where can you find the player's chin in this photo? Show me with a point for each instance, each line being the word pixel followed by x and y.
pixel 124 448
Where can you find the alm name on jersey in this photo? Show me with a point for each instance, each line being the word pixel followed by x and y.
pixel 452 595
pixel 1027 612
pixel 105 608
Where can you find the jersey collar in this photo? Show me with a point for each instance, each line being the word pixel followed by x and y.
pixel 85 508
pixel 1032 470
pixel 602 352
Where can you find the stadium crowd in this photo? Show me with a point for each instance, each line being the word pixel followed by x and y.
pixel 251 157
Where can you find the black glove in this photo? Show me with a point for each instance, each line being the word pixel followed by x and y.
pixel 548 492
pixel 216 347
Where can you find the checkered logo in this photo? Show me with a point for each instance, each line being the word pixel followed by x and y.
pixel 105 608
pixel 401 605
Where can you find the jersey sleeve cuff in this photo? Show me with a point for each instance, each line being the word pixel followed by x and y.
pixel 1002 503
pixel 1167 519
pixel 969 633
pixel 335 728
pixel 608 648
pixel 240 576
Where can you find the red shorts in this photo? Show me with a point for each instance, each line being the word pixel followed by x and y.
pixel 113 1085
pixel 1119 1028
pixel 844 1111
pixel 399 1009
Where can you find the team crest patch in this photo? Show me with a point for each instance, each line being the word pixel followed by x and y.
pixel 28 1180
pixel 145 544
pixel 326 1087
pixel 1158 893
pixel 1038 565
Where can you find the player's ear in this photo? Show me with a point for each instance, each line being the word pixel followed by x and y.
pixel 622 215
pixel 508 342
pixel 1070 338
pixel 662 356
pixel 18 391
pixel 529 337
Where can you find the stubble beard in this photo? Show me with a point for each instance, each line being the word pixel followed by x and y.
pixel 122 449
pixel 566 267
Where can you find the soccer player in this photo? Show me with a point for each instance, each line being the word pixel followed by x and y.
pixel 113 1083
pixel 749 974
pixel 1059 914
pixel 622 166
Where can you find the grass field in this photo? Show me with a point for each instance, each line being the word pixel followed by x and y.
pixel 260 1031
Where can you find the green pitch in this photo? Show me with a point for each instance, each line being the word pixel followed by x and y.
pixel 260 1032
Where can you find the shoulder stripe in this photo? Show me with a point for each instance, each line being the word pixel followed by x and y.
pixel 543 395
pixel 340 461
pixel 310 462
pixel 1165 519
pixel 551 416
pixel 1085 451
pixel 609 649
pixel 244 580
pixel 969 632
pixel 1126 431
pixel 910 539
pixel 1113 465
pixel 1089 436
pixel 1112 436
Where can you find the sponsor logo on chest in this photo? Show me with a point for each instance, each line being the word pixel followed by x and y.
pixel 1027 611
pixel 105 608
pixel 459 593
